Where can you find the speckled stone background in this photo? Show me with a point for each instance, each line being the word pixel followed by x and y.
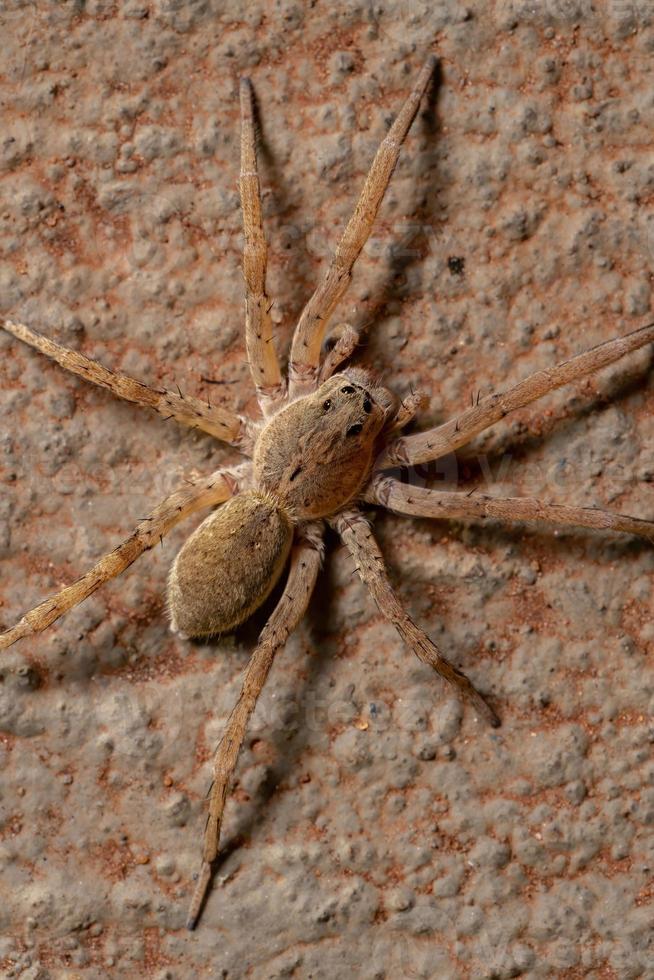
pixel 376 829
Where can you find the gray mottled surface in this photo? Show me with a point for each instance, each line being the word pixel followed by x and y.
pixel 377 830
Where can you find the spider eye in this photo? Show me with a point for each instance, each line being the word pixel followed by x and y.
pixel 347 390
pixel 327 405
pixel 355 429
pixel 367 406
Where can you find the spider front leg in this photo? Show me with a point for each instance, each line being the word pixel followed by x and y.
pixel 306 558
pixel 402 498
pixel 309 333
pixel 444 439
pixel 219 422
pixel 211 490
pixel 262 357
pixel 356 534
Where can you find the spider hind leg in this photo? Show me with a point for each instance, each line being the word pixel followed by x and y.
pixel 355 532
pixel 306 558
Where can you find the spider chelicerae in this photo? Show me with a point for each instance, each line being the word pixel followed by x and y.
pixel 324 444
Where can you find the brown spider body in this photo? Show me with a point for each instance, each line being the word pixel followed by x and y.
pixel 320 450
pixel 310 460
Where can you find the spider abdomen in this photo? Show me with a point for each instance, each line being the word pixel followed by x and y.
pixel 229 565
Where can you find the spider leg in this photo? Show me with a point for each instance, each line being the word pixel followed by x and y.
pixel 445 438
pixel 355 533
pixel 262 357
pixel 306 558
pixel 424 502
pixel 347 341
pixel 219 422
pixel 309 333
pixel 213 489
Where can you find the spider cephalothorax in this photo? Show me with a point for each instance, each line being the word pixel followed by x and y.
pixel 321 448
pixel 316 453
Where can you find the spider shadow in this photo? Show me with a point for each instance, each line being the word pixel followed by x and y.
pixel 560 543
pixel 472 471
pixel 281 219
pixel 492 452
pixel 516 448
pixel 394 284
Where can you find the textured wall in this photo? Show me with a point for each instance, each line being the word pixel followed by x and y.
pixel 376 830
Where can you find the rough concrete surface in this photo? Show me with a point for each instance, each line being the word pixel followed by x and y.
pixel 376 828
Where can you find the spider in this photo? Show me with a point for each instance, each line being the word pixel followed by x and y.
pixel 326 440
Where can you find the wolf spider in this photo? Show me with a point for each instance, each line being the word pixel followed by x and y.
pixel 322 447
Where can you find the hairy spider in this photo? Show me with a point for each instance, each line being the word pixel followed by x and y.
pixel 322 447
